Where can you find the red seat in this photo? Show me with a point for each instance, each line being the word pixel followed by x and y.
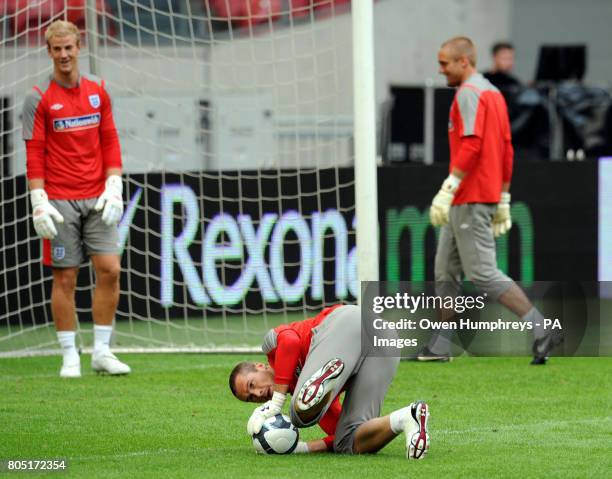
pixel 300 8
pixel 32 17
pixel 324 7
pixel 8 7
pixel 243 13
pixel 76 14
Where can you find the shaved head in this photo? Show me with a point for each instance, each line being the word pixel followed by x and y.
pixel 459 47
pixel 252 382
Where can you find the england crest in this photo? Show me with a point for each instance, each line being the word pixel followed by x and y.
pixel 59 252
pixel 94 100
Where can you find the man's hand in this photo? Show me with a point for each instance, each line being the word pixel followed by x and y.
pixel 273 407
pixel 43 214
pixel 438 213
pixel 502 221
pixel 302 448
pixel 111 200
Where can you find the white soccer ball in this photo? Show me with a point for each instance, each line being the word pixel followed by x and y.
pixel 277 436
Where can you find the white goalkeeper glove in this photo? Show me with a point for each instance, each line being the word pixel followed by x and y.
pixel 43 214
pixel 438 213
pixel 111 200
pixel 502 221
pixel 269 409
pixel 301 448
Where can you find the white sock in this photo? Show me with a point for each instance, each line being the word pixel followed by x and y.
pixel 537 320
pixel 397 419
pixel 102 336
pixel 67 342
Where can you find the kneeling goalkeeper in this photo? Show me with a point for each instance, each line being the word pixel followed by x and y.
pixel 316 360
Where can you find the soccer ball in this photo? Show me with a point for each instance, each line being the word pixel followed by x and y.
pixel 277 436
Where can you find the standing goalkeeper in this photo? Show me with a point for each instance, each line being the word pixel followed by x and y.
pixel 316 360
pixel 473 205
pixel 74 174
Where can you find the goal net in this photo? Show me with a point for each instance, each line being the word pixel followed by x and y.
pixel 236 123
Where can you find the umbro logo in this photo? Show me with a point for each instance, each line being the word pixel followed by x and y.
pixel 57 106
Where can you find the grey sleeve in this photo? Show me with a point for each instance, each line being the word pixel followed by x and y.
pixel 28 114
pixel 269 342
pixel 468 101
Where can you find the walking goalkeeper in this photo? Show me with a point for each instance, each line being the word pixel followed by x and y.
pixel 315 360
pixel 473 204
pixel 74 175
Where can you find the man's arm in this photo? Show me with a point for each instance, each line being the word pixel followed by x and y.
pixel 502 220
pixel 468 101
pixel 111 200
pixel 328 423
pixel 458 173
pixel 113 172
pixel 318 445
pixel 34 135
pixel 286 361
pixel 472 118
pixel 36 183
pixel 469 153
pixel 44 215
pixel 109 140
pixel 508 165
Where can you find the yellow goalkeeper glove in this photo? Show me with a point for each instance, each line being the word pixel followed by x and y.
pixel 502 221
pixel 438 213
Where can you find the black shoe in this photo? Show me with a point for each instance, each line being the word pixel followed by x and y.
pixel 539 361
pixel 427 355
pixel 543 346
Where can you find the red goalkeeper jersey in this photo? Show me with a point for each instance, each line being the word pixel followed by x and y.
pixel 480 141
pixel 71 139
pixel 289 356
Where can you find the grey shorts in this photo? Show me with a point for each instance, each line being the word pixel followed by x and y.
pixel 82 234
pixel 365 380
pixel 466 245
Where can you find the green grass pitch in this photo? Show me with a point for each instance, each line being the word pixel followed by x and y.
pixel 174 417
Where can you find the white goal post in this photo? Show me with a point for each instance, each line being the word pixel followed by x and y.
pixel 248 135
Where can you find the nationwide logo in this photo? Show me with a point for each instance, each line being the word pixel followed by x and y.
pixel 57 106
pixel 76 123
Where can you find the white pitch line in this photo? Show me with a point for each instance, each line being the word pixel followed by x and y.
pixel 510 427
pixel 155 452
pixel 138 372
pixel 437 431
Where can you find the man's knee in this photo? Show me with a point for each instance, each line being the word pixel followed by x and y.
pixel 108 271
pixel 65 280
pixel 445 273
pixel 447 285
pixel 490 281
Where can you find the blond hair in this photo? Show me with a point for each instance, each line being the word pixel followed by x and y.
pixel 462 47
pixel 62 28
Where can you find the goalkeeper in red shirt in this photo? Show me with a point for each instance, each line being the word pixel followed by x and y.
pixel 472 207
pixel 74 175
pixel 315 360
